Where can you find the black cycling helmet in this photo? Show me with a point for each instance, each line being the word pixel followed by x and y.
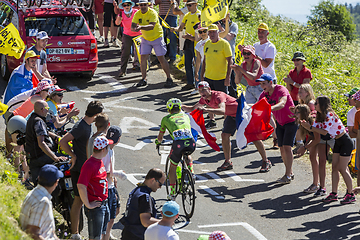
pixel 16 124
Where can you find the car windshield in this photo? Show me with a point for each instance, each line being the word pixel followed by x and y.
pixel 56 26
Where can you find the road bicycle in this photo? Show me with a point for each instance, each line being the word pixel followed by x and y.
pixel 184 182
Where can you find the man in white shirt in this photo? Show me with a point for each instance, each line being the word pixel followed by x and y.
pixel 36 216
pixel 162 230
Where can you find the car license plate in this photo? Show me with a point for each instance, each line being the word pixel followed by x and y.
pixel 60 51
pixel 68 184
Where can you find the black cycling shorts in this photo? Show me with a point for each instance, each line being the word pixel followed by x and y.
pixel 109 15
pixel 181 146
pixel 344 146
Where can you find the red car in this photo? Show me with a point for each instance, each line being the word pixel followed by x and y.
pixel 72 48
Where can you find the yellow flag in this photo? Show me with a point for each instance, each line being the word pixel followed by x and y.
pixel 213 11
pixel 181 64
pixel 238 56
pixel 3 108
pixel 166 25
pixel 137 41
pixel 10 42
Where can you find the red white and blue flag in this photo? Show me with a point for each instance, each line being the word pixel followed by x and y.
pixel 253 122
pixel 198 127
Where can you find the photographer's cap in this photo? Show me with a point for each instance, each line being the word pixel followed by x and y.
pixel 170 209
pixel 114 133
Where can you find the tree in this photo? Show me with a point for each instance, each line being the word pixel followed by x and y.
pixel 334 16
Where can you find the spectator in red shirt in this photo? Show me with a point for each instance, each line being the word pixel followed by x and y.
pixel 93 189
pixel 297 76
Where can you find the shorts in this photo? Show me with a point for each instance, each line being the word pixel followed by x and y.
pixel 181 146
pixel 330 142
pixel 229 125
pixel 98 219
pixel 158 45
pixel 344 146
pixel 217 85
pixel 109 14
pixel 99 6
pixel 112 202
pixel 74 179
pixel 286 134
pixel 252 94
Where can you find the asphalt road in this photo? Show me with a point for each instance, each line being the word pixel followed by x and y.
pixel 242 202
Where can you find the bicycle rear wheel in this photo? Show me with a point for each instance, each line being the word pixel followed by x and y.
pixel 187 192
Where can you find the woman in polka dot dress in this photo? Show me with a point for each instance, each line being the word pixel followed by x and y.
pixel 327 121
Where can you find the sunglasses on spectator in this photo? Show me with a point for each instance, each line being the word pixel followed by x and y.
pixel 190 4
pixel 296 60
pixel 60 94
pixel 246 53
pixel 202 31
pixel 143 4
pixel 316 103
pixel 160 184
pixel 127 5
pixel 47 108
pixel 45 90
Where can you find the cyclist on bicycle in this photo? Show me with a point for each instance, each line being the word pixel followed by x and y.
pixel 178 125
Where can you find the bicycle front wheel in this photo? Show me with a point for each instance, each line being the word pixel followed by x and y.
pixel 188 193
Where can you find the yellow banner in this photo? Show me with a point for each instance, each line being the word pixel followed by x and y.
pixel 181 63
pixel 3 108
pixel 137 41
pixel 166 25
pixel 10 42
pixel 213 11
pixel 238 55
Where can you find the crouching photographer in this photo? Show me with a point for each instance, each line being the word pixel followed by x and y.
pixel 39 142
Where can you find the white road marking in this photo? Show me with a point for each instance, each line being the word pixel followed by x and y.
pixel 201 179
pixel 247 226
pixel 164 154
pixel 126 124
pixel 215 176
pixel 237 178
pixel 192 231
pixel 198 162
pixel 201 143
pixel 211 192
pixel 132 179
pixel 137 147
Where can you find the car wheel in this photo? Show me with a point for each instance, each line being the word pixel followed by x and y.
pixel 5 73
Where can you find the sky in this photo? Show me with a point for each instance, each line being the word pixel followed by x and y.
pixel 295 9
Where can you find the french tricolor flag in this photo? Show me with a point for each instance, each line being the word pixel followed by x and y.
pixel 198 127
pixel 253 122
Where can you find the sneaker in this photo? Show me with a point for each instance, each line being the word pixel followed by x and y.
pixel 76 236
pixel 188 87
pixel 142 82
pixel 210 124
pixel 330 198
pixel 115 43
pixel 136 68
pixel 311 189
pixel 171 197
pixel 112 237
pixel 284 180
pixel 194 92
pixel 100 39
pixel 320 192
pixel 169 83
pixel 106 43
pixel 348 198
pixel 265 167
pixel 225 166
pixel 121 74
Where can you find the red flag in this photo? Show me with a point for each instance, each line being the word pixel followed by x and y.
pixel 35 80
pixel 199 119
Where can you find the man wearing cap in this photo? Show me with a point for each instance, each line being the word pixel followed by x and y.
pixel 55 97
pixel 39 141
pixel 93 189
pixel 189 21
pixel 297 76
pixel 280 100
pixel 217 61
pixel 162 230
pixel 140 210
pixel 36 215
pixel 356 98
pixel 40 69
pixel 147 21
pixel 79 135
pixel 22 78
pixel 351 113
